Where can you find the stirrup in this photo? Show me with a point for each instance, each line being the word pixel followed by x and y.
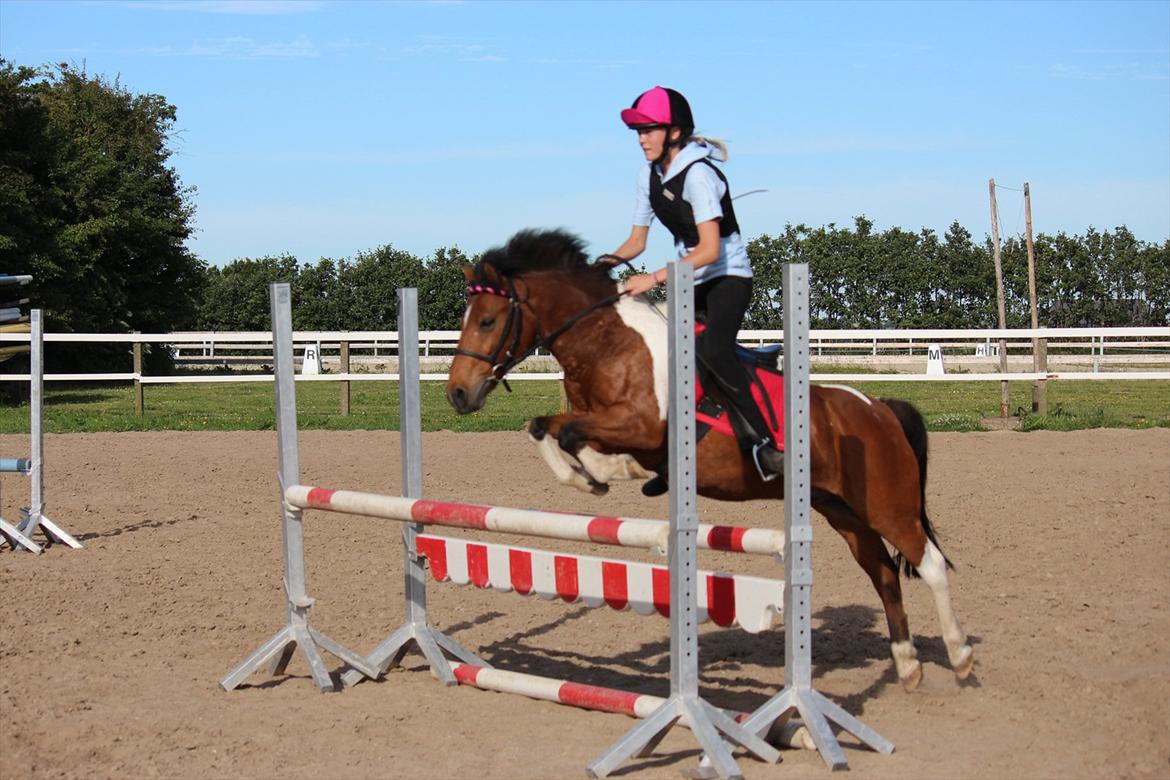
pixel 766 475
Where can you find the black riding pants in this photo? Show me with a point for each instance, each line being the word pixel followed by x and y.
pixel 722 302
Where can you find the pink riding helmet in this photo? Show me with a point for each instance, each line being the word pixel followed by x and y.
pixel 660 106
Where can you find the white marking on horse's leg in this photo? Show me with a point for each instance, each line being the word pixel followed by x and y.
pixel 607 468
pixel 934 572
pixel 558 460
pixel 906 663
pixel 855 392
pixel 640 315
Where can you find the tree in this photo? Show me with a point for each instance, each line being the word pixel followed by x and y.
pixel 314 295
pixel 237 295
pixel 90 206
pixel 442 294
pixel 769 256
pixel 28 199
pixel 367 287
pixel 964 288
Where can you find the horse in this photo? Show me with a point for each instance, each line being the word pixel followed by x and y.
pixel 868 455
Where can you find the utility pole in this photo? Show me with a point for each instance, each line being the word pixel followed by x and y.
pixel 1039 346
pixel 1003 388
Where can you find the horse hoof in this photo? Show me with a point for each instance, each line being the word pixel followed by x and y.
pixel 911 681
pixel 599 488
pixel 965 664
pixel 655 486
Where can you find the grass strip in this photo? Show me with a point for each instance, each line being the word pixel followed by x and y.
pixel 947 406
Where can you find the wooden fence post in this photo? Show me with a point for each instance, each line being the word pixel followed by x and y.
pixel 1004 398
pixel 1039 346
pixel 345 382
pixel 139 401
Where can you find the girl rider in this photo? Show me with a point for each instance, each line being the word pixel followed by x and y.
pixel 689 195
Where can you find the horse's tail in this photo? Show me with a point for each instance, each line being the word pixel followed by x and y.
pixel 914 427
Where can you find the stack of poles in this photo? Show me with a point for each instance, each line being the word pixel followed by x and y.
pixel 20 535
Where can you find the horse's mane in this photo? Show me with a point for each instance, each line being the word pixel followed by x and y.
pixel 544 250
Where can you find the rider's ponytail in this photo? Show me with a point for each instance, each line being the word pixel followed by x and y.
pixel 712 142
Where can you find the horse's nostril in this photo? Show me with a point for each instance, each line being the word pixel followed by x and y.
pixel 457 398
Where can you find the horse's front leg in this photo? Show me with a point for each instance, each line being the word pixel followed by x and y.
pixel 592 445
pixel 540 427
pixel 613 429
pixel 569 469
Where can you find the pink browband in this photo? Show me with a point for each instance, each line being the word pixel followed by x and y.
pixel 473 289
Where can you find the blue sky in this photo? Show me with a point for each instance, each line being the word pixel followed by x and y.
pixel 326 128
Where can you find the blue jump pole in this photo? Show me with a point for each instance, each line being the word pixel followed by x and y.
pixel 14 465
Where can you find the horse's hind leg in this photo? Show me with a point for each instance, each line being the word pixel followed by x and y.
pixel 933 570
pixel 923 554
pixel 871 553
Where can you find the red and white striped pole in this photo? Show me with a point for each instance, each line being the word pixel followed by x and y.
pixel 594 697
pixel 622 532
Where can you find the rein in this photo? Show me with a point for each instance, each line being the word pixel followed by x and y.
pixel 514 326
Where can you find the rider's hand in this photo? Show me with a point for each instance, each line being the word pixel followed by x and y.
pixel 640 284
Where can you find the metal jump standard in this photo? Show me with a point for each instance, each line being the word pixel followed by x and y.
pixel 19 535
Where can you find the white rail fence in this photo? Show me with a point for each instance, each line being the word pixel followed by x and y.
pixel 970 355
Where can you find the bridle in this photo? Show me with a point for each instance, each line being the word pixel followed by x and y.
pixel 514 327
pixel 515 315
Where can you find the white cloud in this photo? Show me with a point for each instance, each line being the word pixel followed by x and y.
pixel 1131 71
pixel 1122 51
pixel 232 7
pixel 845 143
pixel 242 48
pixel 462 50
pixel 424 155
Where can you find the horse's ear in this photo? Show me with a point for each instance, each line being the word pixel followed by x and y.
pixel 469 273
pixel 491 275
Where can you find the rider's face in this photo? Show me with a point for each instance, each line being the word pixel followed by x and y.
pixel 652 139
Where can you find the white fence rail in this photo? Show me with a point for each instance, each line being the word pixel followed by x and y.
pixel 1072 353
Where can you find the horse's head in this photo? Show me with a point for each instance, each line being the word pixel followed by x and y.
pixel 495 335
pixel 521 295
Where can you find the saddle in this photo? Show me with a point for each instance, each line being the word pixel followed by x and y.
pixel 762 366
pixel 767 390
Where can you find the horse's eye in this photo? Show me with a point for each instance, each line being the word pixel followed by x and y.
pixel 487 322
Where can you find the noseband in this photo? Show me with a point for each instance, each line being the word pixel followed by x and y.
pixel 514 327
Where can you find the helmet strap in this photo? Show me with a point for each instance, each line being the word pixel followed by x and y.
pixel 670 143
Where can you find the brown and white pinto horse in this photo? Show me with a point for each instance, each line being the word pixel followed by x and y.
pixel 868 455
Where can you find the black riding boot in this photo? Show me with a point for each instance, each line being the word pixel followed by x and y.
pixel 769 460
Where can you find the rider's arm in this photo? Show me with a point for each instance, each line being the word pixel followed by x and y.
pixel 704 253
pixel 635 244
